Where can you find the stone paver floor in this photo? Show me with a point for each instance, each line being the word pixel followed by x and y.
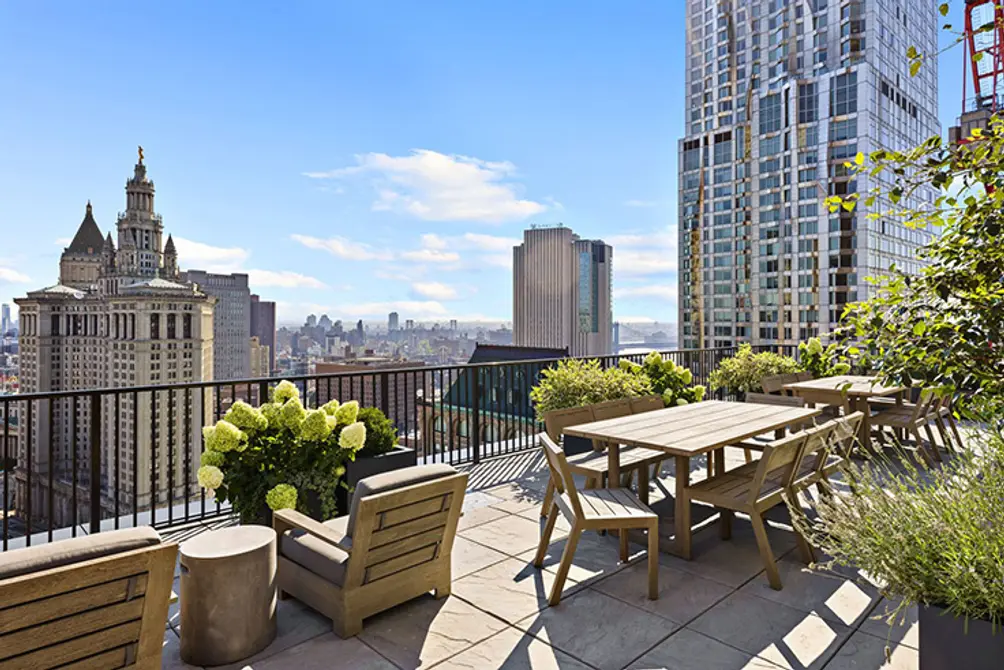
pixel 714 612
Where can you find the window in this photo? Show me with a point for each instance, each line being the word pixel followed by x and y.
pixel 155 326
pixel 770 114
pixel 844 94
pixel 808 104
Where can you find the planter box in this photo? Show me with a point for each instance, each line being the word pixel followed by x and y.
pixel 948 643
pixel 361 468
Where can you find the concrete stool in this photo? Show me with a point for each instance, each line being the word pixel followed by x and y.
pixel 228 594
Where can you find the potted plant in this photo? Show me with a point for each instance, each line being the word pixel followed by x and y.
pixel 576 382
pixel 380 453
pixel 822 361
pixel 932 538
pixel 744 372
pixel 673 382
pixel 281 455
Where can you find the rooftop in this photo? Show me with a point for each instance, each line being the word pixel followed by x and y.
pixel 713 612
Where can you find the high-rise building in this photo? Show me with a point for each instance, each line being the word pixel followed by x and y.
pixel 780 97
pixel 231 321
pixel 260 360
pixel 263 327
pixel 5 323
pixel 119 316
pixel 392 322
pixel 561 292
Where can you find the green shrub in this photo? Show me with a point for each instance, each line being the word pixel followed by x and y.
pixel 745 371
pixel 575 382
pixel 930 537
pixel 381 435
pixel 828 362
pixel 673 382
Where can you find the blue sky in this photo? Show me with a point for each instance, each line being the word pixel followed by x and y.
pixel 353 157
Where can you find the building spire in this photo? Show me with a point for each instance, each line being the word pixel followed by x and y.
pixel 140 154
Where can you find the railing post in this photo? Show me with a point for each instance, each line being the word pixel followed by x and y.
pixel 475 435
pixel 95 440
pixel 263 392
pixel 384 392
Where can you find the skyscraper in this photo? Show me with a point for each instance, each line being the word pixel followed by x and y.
pixel 231 321
pixel 561 292
pixel 263 327
pixel 780 96
pixel 392 322
pixel 5 322
pixel 119 316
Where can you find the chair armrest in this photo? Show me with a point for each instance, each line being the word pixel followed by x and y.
pixel 285 519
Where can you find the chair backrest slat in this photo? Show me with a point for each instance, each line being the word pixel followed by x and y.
pixel 773 384
pixel 803 377
pixel 611 409
pixel 923 404
pixel 561 474
pixel 556 421
pixel 767 399
pixel 647 404
pixel 781 455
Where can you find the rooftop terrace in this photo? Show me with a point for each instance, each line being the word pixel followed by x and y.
pixel 715 611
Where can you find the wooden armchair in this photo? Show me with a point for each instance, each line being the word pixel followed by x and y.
pixel 595 509
pixel 593 465
pixel 753 489
pixel 394 545
pixel 98 601
pixel 911 418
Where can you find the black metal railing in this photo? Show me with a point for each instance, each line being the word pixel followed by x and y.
pixel 83 461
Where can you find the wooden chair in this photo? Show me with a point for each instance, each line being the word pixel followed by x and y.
pixel 911 418
pixel 940 411
pixel 647 403
pixel 98 601
pixel 802 377
pixel 774 385
pixel 394 545
pixel 757 443
pixel 593 465
pixel 594 509
pixel 753 489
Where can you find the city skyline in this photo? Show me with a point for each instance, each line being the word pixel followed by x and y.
pixel 350 212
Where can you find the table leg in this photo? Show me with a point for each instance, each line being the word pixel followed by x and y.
pixel 683 534
pixel 643 484
pixel 613 465
pixel 865 433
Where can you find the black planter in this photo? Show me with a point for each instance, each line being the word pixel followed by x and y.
pixel 949 643
pixel 361 468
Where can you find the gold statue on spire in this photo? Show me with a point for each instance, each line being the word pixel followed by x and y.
pixel 140 154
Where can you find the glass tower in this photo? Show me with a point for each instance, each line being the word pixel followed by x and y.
pixel 780 96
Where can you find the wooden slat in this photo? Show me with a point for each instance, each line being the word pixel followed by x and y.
pixel 388 551
pixel 416 510
pixel 855 385
pixel 114 658
pixel 65 604
pixel 665 420
pixel 158 597
pixel 53 582
pixel 78 648
pixel 407 529
pixel 28 639
pixel 399 563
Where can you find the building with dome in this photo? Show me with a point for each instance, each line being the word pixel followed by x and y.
pixel 119 316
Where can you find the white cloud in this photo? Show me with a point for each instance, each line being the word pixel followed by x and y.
pixel 13 276
pixel 645 254
pixel 433 241
pixel 438 187
pixel 490 242
pixel 283 279
pixel 640 203
pixel 430 256
pixel 196 255
pixel 434 290
pixel 342 248
pixel 63 241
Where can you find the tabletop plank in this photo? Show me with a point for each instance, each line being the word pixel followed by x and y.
pixel 694 429
pixel 854 385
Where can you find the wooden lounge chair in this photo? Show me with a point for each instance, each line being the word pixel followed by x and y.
pixel 753 489
pixel 594 465
pixel 594 509
pixel 394 545
pixel 98 601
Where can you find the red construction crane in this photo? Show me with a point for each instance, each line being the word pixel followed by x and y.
pixel 982 65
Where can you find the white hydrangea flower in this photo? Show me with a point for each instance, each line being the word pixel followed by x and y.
pixel 353 436
pixel 285 390
pixel 210 477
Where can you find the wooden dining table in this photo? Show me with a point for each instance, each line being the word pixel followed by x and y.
pixel 856 389
pixel 684 432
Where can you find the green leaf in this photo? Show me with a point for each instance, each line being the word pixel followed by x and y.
pixel 915 67
pixel 919 328
pixel 860 158
pixel 943 8
pixel 911 52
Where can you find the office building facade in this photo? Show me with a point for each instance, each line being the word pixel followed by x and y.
pixel 263 327
pixel 231 321
pixel 780 97
pixel 561 292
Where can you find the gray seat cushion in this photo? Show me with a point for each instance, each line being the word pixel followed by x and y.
pixel 395 479
pixel 67 552
pixel 316 555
